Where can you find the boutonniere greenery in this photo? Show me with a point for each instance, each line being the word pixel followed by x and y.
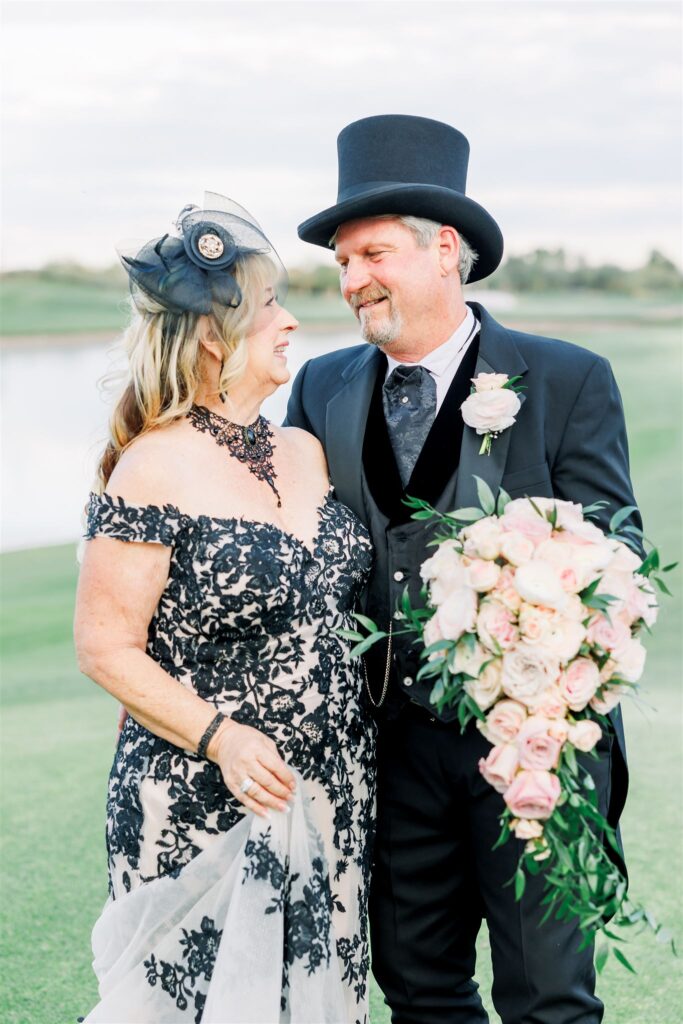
pixel 492 406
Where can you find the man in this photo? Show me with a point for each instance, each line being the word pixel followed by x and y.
pixel 406 237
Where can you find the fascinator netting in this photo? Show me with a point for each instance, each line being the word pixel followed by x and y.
pixel 194 267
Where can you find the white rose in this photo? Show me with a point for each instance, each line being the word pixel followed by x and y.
pixel 568 513
pixel 469 659
pixel 482 574
pixel 487 687
pixel 527 671
pixel 642 603
pixel 516 548
pixel 625 559
pixel 561 556
pixel 444 572
pixel 630 660
pixel 539 582
pixel 563 638
pixel 491 411
pixel 458 613
pixel 432 634
pixel 490 381
pixel 482 539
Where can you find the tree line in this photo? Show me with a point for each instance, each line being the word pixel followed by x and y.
pixel 543 270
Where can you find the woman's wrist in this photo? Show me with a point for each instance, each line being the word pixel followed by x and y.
pixel 213 746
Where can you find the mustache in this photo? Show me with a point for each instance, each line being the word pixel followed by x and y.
pixel 368 295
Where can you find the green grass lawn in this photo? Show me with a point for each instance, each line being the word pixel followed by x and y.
pixel 58 734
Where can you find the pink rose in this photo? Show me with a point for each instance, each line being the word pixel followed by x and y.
pixel 496 626
pixel 500 766
pixel 585 734
pixel 537 747
pixel 578 683
pixel 533 794
pixel 608 699
pixel 550 703
pixel 521 517
pixel 526 829
pixel 482 574
pixel 504 590
pixel 608 634
pixel 503 721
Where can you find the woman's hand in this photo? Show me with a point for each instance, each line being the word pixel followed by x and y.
pixel 242 752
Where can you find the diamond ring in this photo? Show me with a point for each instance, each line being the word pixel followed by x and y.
pixel 247 784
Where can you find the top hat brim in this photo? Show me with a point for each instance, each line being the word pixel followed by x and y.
pixel 433 202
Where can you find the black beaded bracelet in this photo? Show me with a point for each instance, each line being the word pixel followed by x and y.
pixel 206 738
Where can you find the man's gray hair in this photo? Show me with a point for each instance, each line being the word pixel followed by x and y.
pixel 425 231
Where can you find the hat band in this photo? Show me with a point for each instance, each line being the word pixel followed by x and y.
pixel 369 186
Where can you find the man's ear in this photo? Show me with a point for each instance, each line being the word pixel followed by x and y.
pixel 448 242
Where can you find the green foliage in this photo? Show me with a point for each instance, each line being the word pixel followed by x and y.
pixel 545 270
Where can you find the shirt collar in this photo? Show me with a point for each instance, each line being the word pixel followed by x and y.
pixel 439 360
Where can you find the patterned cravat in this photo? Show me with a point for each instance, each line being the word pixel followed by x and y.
pixel 409 401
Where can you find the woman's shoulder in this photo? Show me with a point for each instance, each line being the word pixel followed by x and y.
pixel 147 471
pixel 303 441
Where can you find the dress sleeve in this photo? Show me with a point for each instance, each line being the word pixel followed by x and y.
pixel 148 524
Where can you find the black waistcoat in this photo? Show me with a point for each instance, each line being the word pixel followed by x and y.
pixel 400 542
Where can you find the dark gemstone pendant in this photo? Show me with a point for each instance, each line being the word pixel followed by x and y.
pixel 249 436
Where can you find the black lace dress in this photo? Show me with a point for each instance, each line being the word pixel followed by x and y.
pixel 214 914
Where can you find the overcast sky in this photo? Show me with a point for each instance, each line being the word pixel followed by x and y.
pixel 117 114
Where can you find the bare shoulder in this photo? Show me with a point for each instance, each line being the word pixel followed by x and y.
pixel 303 442
pixel 146 471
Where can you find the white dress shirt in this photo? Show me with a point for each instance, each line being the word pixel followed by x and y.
pixel 444 361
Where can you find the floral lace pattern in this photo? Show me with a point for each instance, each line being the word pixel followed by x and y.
pixel 248 619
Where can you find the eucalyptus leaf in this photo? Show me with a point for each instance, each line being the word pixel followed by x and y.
pixel 485 495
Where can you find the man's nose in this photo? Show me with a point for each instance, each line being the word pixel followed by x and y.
pixel 355 278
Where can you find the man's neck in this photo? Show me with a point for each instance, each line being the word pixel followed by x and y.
pixel 414 350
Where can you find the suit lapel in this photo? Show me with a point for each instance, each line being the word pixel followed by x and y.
pixel 346 417
pixel 497 354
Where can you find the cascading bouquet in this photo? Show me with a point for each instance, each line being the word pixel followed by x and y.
pixel 532 628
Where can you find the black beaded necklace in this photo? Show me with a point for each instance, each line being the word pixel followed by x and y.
pixel 251 444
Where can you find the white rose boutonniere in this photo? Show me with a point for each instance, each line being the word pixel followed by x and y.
pixel 492 406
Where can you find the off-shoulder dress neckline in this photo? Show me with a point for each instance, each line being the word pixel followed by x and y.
pixel 175 511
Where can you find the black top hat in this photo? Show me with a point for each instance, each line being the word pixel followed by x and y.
pixel 414 166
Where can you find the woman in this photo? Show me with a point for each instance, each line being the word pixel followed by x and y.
pixel 217 573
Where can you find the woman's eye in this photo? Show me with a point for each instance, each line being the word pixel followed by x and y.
pixel 271 301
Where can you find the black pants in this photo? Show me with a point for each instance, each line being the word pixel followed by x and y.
pixel 436 877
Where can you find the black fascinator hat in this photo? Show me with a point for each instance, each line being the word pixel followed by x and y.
pixel 189 270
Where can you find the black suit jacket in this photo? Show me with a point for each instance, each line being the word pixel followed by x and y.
pixel 569 439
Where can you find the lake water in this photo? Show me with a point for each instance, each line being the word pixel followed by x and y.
pixel 54 424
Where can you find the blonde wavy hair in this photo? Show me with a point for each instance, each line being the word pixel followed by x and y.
pixel 164 353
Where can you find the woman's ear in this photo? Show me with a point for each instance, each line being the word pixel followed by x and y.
pixel 207 339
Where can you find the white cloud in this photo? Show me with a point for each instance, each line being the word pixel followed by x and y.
pixel 116 113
